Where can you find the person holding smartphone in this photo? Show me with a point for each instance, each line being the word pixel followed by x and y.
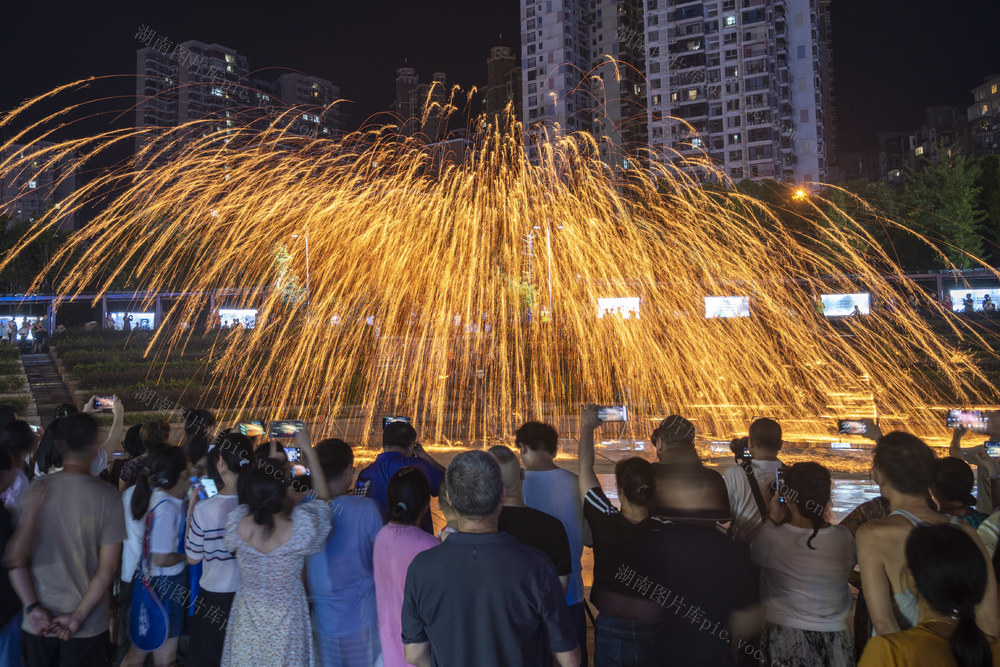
pixel 203 543
pixel 805 566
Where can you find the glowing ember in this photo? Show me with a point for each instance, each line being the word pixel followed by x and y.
pixel 466 295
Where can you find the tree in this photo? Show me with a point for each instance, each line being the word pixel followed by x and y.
pixel 943 202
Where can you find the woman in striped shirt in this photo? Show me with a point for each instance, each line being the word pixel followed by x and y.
pixel 220 575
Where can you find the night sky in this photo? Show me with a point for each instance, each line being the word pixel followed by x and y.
pixel 892 57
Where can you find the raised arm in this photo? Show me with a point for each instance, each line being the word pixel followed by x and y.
pixel 304 443
pixel 422 453
pixel 955 448
pixel 585 454
pixel 117 427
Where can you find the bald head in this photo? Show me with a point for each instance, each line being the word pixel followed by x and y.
pixel 510 469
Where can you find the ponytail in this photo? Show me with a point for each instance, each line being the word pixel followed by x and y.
pixel 635 479
pixel 164 466
pixel 140 496
pixel 969 645
pixel 408 494
pixel 950 574
pixel 263 489
pixel 808 486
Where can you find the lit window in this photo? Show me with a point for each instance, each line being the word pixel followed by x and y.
pixel 230 58
pixel 656 100
pixel 730 21
pixel 696 142
pixel 692 94
pixel 985 110
pixel 217 92
pixel 32 184
pixel 919 150
pixel 993 89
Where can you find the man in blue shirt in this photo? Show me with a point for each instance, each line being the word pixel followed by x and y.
pixel 399 450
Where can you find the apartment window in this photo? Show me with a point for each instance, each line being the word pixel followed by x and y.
pixel 735 139
pixel 654 83
pixel 532 75
pixel 729 38
pixel 532 100
pixel 736 172
pixel 531 24
pixel 32 184
pixel 919 150
pixel 735 156
pixel 530 12
pixel 733 121
pixel 694 45
pixel 729 5
pixel 692 94
pixel 732 105
pixel 532 88
pixel 531 49
pixel 653 19
pixel 985 110
pixel 696 142
pixel 993 89
pixel 654 68
pixel 732 54
pixel 656 100
pixel 673 97
pixel 729 22
pixel 651 4
pixel 230 58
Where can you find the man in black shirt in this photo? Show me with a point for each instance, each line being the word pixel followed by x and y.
pixel 480 598
pixel 528 525
pixel 701 577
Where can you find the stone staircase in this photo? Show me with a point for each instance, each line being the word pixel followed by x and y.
pixel 46 384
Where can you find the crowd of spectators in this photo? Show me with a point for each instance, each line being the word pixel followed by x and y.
pixel 221 550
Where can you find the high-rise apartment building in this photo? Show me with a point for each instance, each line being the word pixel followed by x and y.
pixel 413 97
pixel 748 82
pixel 26 195
pixel 984 117
pixel 617 80
pixel 198 81
pixel 555 59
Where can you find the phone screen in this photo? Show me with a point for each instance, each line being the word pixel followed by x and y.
pixel 254 429
pixel 971 420
pixel 993 449
pixel 779 485
pixel 104 402
pixel 208 486
pixel 852 427
pixel 612 413
pixel 293 453
pixel 388 420
pixel 284 429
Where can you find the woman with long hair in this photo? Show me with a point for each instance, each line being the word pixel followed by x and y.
pixel 628 629
pixel 951 577
pixel 269 620
pixel 206 532
pixel 805 565
pixel 158 494
pixel 396 545
pixel 903 468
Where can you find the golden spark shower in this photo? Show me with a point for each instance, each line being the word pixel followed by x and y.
pixel 471 294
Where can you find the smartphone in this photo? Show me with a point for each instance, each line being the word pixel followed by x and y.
pixel 852 427
pixel 253 429
pixel 388 420
pixel 104 402
pixel 993 448
pixel 288 428
pixel 779 485
pixel 299 470
pixel 612 413
pixel 208 486
pixel 294 454
pixel 972 420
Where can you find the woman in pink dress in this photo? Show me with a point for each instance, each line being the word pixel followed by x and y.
pixel 396 545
